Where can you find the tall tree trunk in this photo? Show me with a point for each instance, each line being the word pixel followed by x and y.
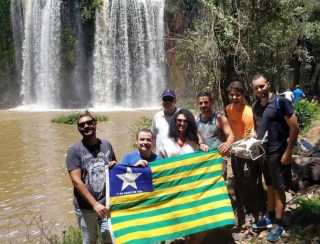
pixel 315 79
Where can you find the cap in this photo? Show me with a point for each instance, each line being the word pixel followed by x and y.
pixel 297 86
pixel 168 93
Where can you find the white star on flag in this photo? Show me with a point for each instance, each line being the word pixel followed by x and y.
pixel 129 179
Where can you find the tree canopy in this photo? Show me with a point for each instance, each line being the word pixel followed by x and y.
pixel 233 40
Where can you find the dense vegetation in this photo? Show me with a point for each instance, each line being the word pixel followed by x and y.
pixel 224 41
pixel 306 113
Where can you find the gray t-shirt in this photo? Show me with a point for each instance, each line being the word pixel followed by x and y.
pixel 92 161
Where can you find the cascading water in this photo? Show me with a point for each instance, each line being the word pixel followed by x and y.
pixel 129 68
pixel 41 53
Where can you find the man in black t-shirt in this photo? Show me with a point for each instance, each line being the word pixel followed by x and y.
pixel 276 116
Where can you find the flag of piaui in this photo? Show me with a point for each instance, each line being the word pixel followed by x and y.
pixel 172 198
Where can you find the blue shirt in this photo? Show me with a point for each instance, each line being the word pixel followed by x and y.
pixel 297 93
pixel 131 158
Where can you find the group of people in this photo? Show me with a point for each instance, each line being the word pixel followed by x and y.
pixel 293 96
pixel 177 131
pixel 297 95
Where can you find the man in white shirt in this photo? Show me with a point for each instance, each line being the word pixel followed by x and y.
pixel 288 94
pixel 160 122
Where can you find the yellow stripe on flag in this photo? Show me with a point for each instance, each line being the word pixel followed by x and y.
pixel 176 228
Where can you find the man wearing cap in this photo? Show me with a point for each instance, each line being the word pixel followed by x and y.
pixel 160 122
pixel 297 94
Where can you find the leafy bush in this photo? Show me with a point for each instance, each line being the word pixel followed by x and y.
pixel 69 44
pixel 72 235
pixel 305 112
pixel 88 8
pixel 73 117
pixel 312 206
pixel 142 123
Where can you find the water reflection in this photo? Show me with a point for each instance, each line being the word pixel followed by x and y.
pixel 33 177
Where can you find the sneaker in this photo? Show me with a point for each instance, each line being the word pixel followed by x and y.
pixel 275 233
pixel 262 223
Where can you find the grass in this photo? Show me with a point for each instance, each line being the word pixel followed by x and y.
pixel 72 118
pixel 309 208
pixel 71 235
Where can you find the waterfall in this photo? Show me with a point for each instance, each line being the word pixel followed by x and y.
pixel 41 53
pixel 128 60
pixel 118 64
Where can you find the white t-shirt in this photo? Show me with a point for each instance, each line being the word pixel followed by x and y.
pixel 169 147
pixel 288 95
pixel 160 127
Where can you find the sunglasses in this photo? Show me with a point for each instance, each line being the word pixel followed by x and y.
pixel 168 99
pixel 83 124
pixel 179 121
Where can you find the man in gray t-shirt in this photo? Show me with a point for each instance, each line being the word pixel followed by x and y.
pixel 86 163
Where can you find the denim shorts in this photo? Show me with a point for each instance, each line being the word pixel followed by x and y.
pixel 89 221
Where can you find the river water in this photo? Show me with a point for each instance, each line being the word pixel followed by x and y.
pixel 35 188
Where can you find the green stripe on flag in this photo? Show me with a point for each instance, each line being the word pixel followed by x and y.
pixel 179 207
pixel 186 168
pixel 187 180
pixel 185 219
pixel 147 202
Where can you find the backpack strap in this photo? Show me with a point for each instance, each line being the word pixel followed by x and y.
pixel 279 108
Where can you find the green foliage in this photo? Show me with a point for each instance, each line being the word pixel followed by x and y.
pixel 72 235
pixel 305 113
pixel 88 8
pixel 67 119
pixel 6 45
pixel 232 40
pixel 311 206
pixel 73 117
pixel 68 43
pixel 142 123
pixel 172 6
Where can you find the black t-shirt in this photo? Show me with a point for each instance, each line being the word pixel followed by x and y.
pixel 270 118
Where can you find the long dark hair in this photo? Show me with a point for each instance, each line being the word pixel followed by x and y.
pixel 191 132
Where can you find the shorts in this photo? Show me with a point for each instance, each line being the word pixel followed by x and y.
pixel 89 221
pixel 275 173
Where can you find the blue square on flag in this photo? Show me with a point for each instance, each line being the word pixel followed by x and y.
pixel 126 180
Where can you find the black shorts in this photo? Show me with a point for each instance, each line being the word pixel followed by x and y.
pixel 275 173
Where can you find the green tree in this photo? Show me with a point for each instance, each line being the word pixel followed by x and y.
pixel 232 40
